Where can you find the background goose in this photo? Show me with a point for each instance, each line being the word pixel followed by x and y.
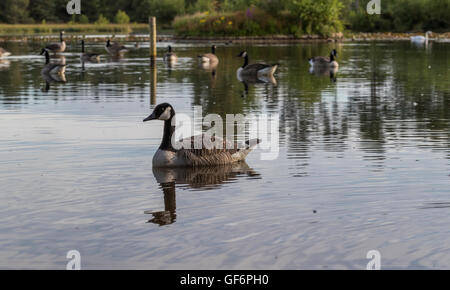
pixel 4 53
pixel 209 155
pixel 325 61
pixel 421 39
pixel 170 56
pixel 52 68
pixel 57 47
pixel 92 57
pixel 258 69
pixel 115 48
pixel 210 57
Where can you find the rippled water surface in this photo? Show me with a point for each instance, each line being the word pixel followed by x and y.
pixel 363 162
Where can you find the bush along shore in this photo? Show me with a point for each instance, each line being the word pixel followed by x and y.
pixel 266 39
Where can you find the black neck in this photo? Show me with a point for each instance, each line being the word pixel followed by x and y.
pixel 170 49
pixel 331 57
pixel 47 57
pixel 166 143
pixel 245 61
pixel 61 37
pixel 213 50
pixel 82 46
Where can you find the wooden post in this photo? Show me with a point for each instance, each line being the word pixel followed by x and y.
pixel 152 23
pixel 153 82
pixel 153 72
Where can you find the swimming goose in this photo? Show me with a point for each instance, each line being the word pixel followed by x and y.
pixel 197 154
pixel 57 47
pixel 115 48
pixel 325 61
pixel 258 69
pixel 210 57
pixel 92 57
pixel 52 68
pixel 420 39
pixel 170 56
pixel 4 53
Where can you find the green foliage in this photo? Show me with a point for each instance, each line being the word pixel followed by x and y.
pixel 202 6
pixel 84 19
pixel 249 22
pixel 321 17
pixel 121 18
pixel 102 20
pixel 317 16
pixel 14 11
pixel 401 16
pixel 165 11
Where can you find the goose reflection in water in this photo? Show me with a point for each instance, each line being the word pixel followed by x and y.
pixel 4 64
pixel 324 71
pixel 255 80
pixel 53 71
pixel 193 177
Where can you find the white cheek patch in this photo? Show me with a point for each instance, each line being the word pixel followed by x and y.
pixel 166 115
pixel 244 54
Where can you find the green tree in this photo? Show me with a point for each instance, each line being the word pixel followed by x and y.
pixel 317 16
pixel 102 20
pixel 165 11
pixel 84 19
pixel 121 17
pixel 14 11
pixel 41 10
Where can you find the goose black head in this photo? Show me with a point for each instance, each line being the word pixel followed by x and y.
pixel 162 112
pixel 108 43
pixel 169 48
pixel 213 49
pixel 243 54
pixel 334 52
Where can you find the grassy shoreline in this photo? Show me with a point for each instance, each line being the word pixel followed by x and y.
pixel 50 28
pixel 139 32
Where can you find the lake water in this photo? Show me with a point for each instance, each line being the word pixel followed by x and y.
pixel 363 163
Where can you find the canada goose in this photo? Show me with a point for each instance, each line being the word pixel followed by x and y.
pixel 258 69
pixel 57 47
pixel 52 68
pixel 421 39
pixel 325 61
pixel 115 48
pixel 170 56
pixel 92 57
pixel 210 57
pixel 197 154
pixel 4 53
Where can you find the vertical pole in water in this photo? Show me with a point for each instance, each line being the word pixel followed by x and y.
pixel 153 81
pixel 152 22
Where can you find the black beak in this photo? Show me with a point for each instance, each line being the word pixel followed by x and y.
pixel 149 118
